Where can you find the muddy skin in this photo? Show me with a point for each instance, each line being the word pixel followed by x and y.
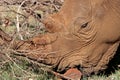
pixel 83 34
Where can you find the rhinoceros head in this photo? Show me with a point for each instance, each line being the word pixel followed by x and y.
pixel 87 34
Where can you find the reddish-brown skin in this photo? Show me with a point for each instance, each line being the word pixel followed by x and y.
pixel 87 33
pixel 83 34
pixel 73 73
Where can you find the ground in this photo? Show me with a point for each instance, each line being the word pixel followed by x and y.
pixel 22 20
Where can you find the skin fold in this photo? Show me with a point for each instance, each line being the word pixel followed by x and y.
pixel 88 34
pixel 84 34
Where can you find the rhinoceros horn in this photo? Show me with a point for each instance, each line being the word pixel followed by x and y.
pixel 84 34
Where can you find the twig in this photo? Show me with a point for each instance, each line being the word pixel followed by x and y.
pixel 18 23
pixel 48 69
pixel 9 58
pixel 34 14
pixel 14 12
pixel 59 75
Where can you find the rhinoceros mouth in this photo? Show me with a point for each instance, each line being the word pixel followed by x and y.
pixel 83 64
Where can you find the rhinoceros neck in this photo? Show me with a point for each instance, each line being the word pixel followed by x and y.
pixel 109 6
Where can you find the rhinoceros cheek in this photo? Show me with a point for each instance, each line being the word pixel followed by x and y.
pixel 69 62
pixel 50 59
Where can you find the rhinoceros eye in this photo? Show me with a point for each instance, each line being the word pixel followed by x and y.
pixel 84 25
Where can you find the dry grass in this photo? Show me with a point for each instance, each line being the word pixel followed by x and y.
pixel 23 20
pixel 28 19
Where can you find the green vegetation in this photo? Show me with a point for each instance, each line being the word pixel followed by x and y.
pixel 23 69
pixel 20 68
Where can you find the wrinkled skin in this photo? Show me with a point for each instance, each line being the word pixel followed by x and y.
pixel 84 34
pixel 88 33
